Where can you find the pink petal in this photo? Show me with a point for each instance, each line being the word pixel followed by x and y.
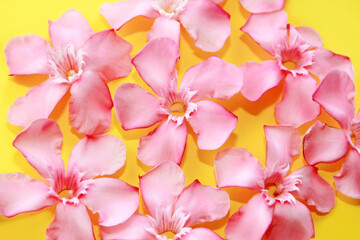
pixel 262 6
pixel 207 23
pixel 314 189
pixel 260 77
pixel 72 28
pixel 170 141
pixel 297 106
pixel 336 95
pixel 348 181
pixel 212 124
pixel 237 167
pixel 201 233
pixel 90 105
pixel 135 107
pixel 19 193
pixel 38 103
pixel 40 144
pixel 324 144
pixel 165 27
pixel 251 221
pixel 213 78
pixel 120 12
pixel 204 203
pixel 27 54
pixel 162 186
pixel 108 55
pixel 311 36
pixel 156 64
pixel 97 156
pixel 291 222
pixel 71 222
pixel 113 199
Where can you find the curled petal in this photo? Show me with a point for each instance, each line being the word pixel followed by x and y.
pixel 311 36
pixel 201 233
pixel 165 27
pixel 262 6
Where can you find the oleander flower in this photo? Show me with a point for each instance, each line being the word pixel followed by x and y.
pixel 204 20
pixel 262 6
pixel 297 52
pixel 137 108
pixel 81 61
pixel 173 210
pixel 274 212
pixel 74 190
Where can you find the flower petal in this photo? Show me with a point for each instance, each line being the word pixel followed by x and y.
pixel 213 78
pixel 162 186
pixel 262 6
pixel 336 95
pixel 71 222
pixel 201 233
pixel 251 221
pixel 72 28
pixel 165 27
pixel 297 106
pixel 27 55
pixel 170 141
pixel 324 144
pixel 311 36
pixel 90 104
pixel 38 103
pixel 156 64
pixel 212 124
pixel 237 167
pixel 207 23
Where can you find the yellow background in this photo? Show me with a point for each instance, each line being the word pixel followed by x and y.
pixel 336 21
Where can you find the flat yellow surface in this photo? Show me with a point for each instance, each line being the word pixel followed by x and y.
pixel 336 21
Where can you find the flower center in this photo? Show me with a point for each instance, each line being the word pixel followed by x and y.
pixel 355 134
pixel 289 65
pixel 273 190
pixel 177 109
pixel 170 8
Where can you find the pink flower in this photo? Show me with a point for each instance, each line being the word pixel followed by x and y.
pixel 172 208
pixel 262 6
pixel 114 200
pixel 204 20
pixel 80 61
pixel 274 211
pixel 325 144
pixel 137 108
pixel 297 52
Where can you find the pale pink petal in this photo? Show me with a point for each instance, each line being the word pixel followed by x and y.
pixel 71 222
pixel 260 77
pixel 251 221
pixel 348 180
pixel 97 156
pixel 165 27
pixel 156 64
pixel 166 143
pixel 90 104
pixel 19 193
pixel 237 167
pixel 120 12
pixel 135 107
pixel 336 95
pixel 207 23
pixel 311 36
pixel 38 103
pixel 201 233
pixel 314 189
pixel 291 222
pixel 213 78
pixel 162 186
pixel 72 28
pixel 262 6
pixel 27 54
pixel 324 144
pixel 297 106
pixel 40 144
pixel 212 124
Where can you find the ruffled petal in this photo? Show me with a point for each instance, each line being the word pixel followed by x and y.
pixel 251 221
pixel 27 55
pixel 170 141
pixel 165 27
pixel 72 28
pixel 297 106
pixel 311 36
pixel 212 124
pixel 262 6
pixel 162 186
pixel 324 144
pixel 207 23
pixel 237 167
pixel 201 233
pixel 203 203
pixel 212 78
pixel 90 105
pixel 71 222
